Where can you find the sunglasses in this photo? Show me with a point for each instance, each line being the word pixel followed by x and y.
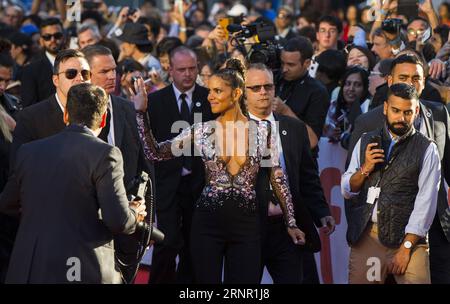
pixel 48 37
pixel 72 73
pixel 257 88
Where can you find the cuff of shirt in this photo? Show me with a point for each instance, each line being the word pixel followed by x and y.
pixel 417 230
pixel 346 190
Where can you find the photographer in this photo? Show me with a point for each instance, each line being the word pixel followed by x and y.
pixel 76 218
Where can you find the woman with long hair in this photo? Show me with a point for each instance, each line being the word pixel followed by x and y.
pixel 225 221
pixel 352 101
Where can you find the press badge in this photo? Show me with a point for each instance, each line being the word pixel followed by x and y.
pixel 373 194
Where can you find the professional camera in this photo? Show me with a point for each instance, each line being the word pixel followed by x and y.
pixel 266 48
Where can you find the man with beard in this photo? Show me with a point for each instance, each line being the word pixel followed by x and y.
pixel 393 182
pixel 433 121
pixel 37 76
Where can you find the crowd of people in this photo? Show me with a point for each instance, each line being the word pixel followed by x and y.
pixel 223 104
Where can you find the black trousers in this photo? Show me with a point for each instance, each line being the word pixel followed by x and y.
pixel 227 238
pixel 175 222
pixel 439 254
pixel 282 258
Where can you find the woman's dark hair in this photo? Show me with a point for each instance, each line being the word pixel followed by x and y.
pixel 368 53
pixel 166 45
pixel 233 74
pixel 130 66
pixel 341 104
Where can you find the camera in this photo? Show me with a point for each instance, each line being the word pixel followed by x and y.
pixel 392 26
pixel 266 48
pixel 138 187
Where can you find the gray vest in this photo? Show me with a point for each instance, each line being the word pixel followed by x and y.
pixel 398 180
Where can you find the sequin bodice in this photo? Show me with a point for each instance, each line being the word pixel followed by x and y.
pixel 220 184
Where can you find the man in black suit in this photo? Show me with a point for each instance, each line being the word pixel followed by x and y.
pixel 433 121
pixel 36 77
pixel 180 181
pixel 298 94
pixel 120 131
pixel 46 117
pixel 283 259
pixel 69 188
pixel 42 120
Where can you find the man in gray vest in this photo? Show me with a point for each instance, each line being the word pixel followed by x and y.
pixel 393 182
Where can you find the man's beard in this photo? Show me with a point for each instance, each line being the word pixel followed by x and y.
pixel 399 131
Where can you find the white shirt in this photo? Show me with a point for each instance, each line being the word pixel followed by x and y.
pixel 111 137
pixel 425 203
pixel 274 209
pixel 51 58
pixel 188 98
pixel 59 103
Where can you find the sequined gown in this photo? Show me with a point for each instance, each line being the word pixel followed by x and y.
pixel 225 221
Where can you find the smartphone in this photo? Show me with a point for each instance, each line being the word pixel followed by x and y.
pixel 224 22
pixel 376 139
pixel 408 8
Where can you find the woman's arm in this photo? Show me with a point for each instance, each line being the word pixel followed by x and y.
pixel 178 146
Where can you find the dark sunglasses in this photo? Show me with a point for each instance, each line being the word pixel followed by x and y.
pixel 48 37
pixel 72 73
pixel 257 88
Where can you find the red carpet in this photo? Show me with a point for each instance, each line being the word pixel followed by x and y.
pixel 142 275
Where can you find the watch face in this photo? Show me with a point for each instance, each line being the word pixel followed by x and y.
pixel 407 244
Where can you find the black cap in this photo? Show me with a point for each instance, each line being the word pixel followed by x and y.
pixel 135 33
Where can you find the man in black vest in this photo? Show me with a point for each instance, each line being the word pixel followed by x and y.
pixel 433 121
pixel 393 182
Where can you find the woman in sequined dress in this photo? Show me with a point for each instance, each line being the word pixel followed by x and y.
pixel 225 227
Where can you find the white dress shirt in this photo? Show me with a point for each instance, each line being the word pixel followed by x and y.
pixel 188 99
pixel 426 199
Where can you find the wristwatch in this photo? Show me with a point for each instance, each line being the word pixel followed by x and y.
pixel 407 244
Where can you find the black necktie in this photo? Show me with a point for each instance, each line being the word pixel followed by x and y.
pixel 185 112
pixel 105 131
pixel 186 116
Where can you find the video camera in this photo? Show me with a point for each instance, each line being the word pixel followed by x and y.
pixel 148 233
pixel 265 50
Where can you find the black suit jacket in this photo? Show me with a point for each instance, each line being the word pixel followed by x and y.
pixel 46 118
pixel 307 194
pixel 37 83
pixel 38 121
pixel 437 122
pixel 72 198
pixel 163 111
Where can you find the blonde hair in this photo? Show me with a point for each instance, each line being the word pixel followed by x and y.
pixel 4 128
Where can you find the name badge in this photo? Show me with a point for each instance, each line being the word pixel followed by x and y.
pixel 373 194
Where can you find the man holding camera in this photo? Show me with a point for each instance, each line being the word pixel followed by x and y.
pixel 66 232
pixel 393 182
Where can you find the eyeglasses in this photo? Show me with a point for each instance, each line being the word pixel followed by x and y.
pixel 415 32
pixel 283 16
pixel 257 88
pixel 48 37
pixel 330 31
pixel 72 73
